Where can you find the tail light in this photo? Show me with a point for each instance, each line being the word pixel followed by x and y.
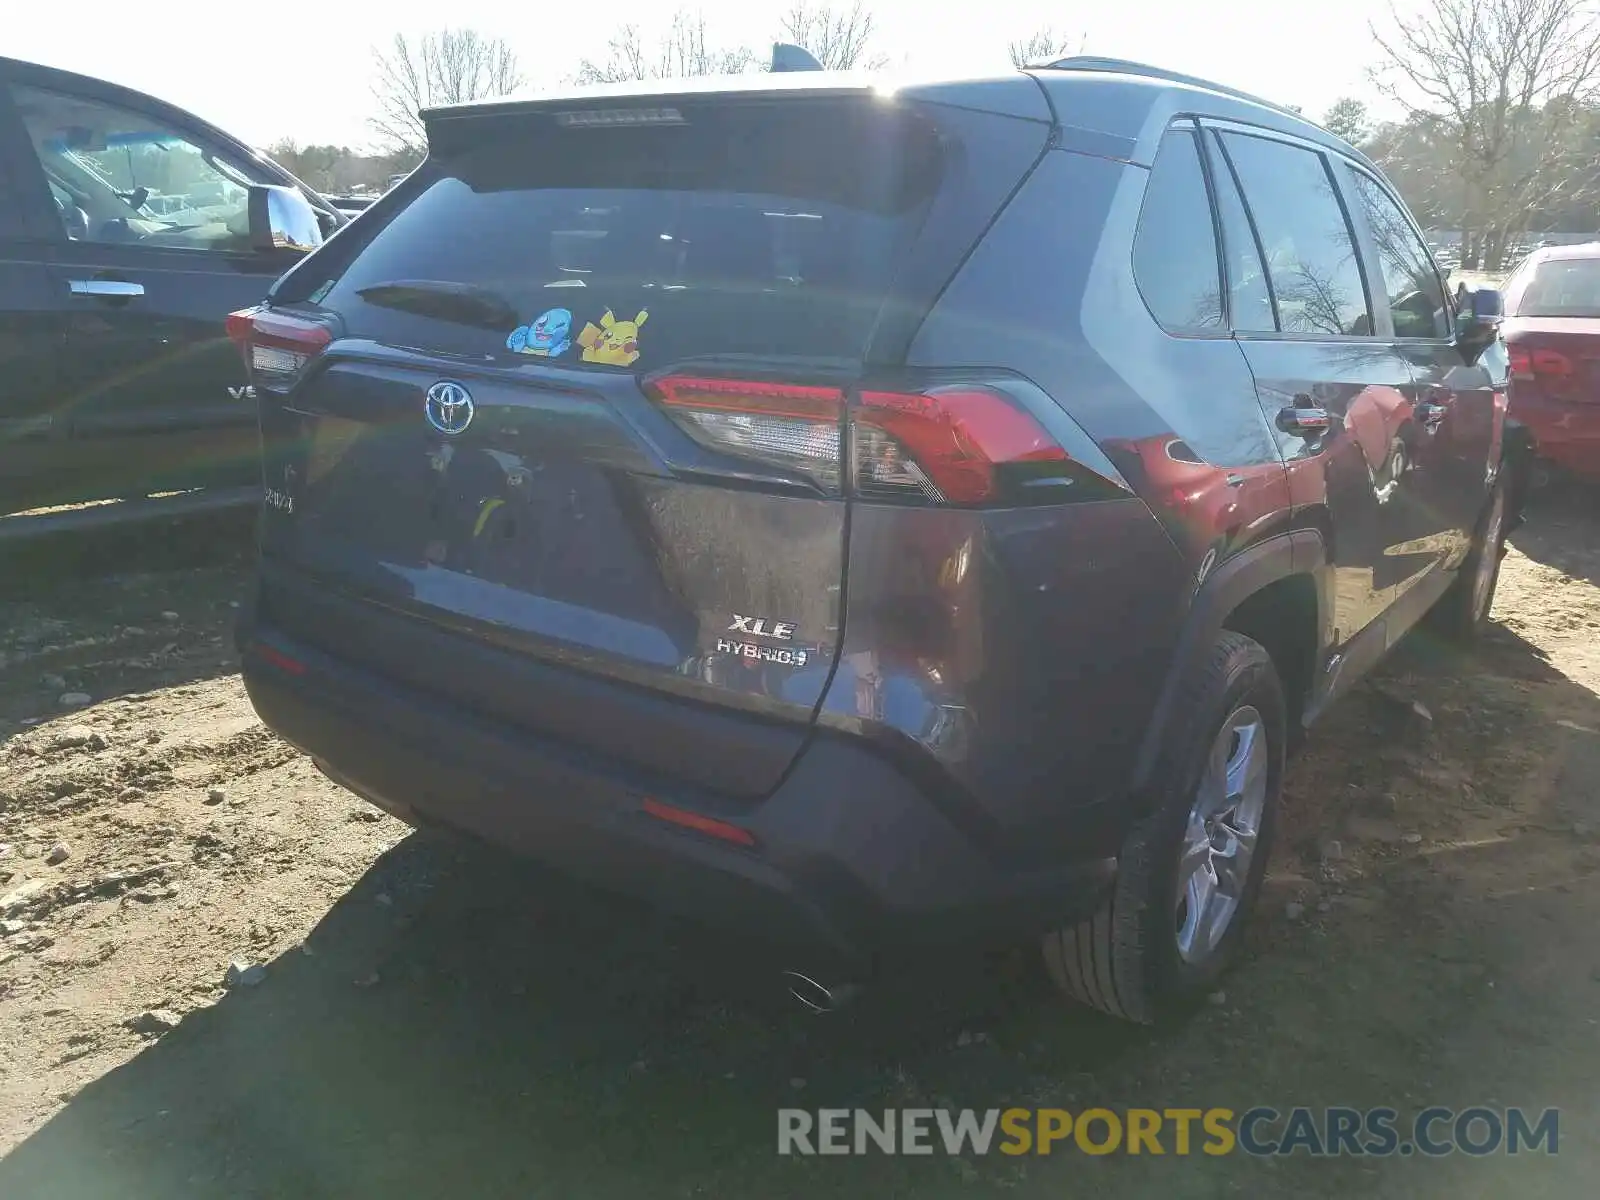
pixel 1540 362
pixel 276 345
pixel 959 445
pixel 788 426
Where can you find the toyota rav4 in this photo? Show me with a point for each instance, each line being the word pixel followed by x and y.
pixel 876 516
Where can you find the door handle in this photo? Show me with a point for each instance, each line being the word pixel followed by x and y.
pixel 1430 415
pixel 111 289
pixel 1310 421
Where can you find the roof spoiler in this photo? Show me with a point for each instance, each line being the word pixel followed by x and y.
pixel 789 57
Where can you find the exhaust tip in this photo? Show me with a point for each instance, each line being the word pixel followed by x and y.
pixel 817 997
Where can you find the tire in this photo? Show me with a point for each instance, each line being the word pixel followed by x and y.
pixel 1462 613
pixel 1130 958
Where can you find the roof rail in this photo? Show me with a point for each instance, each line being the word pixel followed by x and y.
pixel 1123 66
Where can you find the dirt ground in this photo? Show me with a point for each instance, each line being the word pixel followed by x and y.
pixel 433 1020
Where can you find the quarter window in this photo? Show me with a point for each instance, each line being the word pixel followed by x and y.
pixel 1310 251
pixel 1175 248
pixel 1414 294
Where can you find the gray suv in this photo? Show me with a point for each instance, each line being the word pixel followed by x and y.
pixel 874 519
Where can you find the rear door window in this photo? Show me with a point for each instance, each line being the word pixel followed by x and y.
pixel 761 230
pixel 1249 299
pixel 1310 251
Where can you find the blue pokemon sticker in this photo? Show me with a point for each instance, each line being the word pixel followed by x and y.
pixel 548 336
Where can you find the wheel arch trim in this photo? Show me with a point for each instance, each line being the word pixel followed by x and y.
pixel 1224 589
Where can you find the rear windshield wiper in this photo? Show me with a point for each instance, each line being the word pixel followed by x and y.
pixel 458 303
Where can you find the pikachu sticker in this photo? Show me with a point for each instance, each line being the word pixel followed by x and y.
pixel 613 342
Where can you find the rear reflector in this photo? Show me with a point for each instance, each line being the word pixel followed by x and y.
pixel 276 346
pixel 278 659
pixel 700 824
pixel 960 445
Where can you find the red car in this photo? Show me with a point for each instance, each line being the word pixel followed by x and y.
pixel 1552 332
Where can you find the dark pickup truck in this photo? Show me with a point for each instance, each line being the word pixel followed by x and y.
pixel 129 230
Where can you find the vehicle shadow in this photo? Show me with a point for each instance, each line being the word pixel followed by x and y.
pixel 489 1031
pixel 493 1032
pixel 35 568
pixel 1563 528
pixel 108 614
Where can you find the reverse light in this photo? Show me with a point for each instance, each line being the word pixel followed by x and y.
pixel 275 345
pixel 793 427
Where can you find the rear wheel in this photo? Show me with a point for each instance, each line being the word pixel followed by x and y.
pixel 1191 871
pixel 1462 613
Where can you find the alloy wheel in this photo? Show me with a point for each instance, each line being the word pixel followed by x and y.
pixel 1220 837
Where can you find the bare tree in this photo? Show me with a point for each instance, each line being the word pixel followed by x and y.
pixel 1043 46
pixel 838 38
pixel 625 59
pixel 683 50
pixel 1508 82
pixel 1348 118
pixel 448 67
pixel 335 169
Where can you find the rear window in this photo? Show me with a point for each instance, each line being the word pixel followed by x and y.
pixel 1561 287
pixel 755 229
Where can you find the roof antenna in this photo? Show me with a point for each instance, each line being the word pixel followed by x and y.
pixel 787 57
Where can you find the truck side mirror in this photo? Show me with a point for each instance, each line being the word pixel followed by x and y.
pixel 282 219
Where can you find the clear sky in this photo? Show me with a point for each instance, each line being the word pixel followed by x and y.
pixel 303 69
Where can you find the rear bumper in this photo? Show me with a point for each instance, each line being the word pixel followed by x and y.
pixel 851 861
pixel 1567 435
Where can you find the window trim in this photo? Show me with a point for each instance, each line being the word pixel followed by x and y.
pixel 1255 240
pixel 25 220
pixel 1370 247
pixel 1190 126
pixel 1222 125
pixel 198 138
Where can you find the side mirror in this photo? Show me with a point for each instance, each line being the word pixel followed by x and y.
pixel 1488 306
pixel 282 219
pixel 1478 318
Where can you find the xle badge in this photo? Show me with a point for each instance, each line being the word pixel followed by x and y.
pixel 763 627
pixel 783 631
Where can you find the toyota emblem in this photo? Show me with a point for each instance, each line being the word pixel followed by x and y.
pixel 449 407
